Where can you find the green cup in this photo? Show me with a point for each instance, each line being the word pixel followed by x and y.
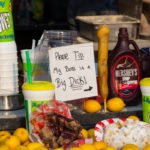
pixel 6 21
pixel 145 89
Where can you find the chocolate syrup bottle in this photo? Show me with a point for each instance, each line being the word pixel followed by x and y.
pixel 124 70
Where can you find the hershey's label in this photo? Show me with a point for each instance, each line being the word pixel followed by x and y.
pixel 126 76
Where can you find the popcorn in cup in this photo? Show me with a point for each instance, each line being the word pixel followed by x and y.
pixel 36 94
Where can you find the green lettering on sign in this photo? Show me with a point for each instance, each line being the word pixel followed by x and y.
pixel 6 21
pixel 146 108
pixel 36 104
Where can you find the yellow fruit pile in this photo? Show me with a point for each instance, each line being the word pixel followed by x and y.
pixel 19 140
pixel 88 133
pixel 115 104
pixel 99 145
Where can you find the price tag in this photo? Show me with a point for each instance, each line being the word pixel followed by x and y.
pixel 73 71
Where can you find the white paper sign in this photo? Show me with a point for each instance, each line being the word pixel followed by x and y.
pixel 73 72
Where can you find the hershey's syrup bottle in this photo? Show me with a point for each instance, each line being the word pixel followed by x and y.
pixel 124 70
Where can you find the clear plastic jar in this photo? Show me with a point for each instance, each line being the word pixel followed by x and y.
pixel 61 37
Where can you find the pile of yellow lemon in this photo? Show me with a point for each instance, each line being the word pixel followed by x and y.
pixel 19 140
pixel 101 145
pixel 115 104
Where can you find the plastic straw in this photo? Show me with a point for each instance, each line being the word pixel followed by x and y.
pixel 33 44
pixel 39 41
pixel 29 67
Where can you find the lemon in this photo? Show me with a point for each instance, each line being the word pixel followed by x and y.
pixel 12 141
pixel 4 147
pixel 92 106
pixel 22 134
pixel 147 147
pixel 3 136
pixel 21 148
pixel 84 132
pixel 41 148
pixel 100 145
pixel 59 149
pixel 134 118
pixel 87 147
pixel 75 148
pixel 130 147
pixel 91 134
pixel 26 143
pixel 32 146
pixel 115 104
pixel 110 148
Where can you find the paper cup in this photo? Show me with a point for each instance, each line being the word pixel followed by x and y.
pixel 11 73
pixel 8 62
pixel 8 92
pixel 8 47
pixel 8 67
pixel 36 94
pixel 145 89
pixel 9 79
pixel 8 56
pixel 9 85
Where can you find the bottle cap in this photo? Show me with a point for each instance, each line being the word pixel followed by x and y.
pixel 123 33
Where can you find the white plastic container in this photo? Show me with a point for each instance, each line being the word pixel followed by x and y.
pixel 36 94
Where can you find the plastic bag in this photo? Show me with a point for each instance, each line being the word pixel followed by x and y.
pixel 40 69
pixel 50 39
pixel 38 120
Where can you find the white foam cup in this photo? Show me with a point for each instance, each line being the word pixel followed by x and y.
pixel 8 56
pixel 9 73
pixel 36 94
pixel 8 47
pixel 9 85
pixel 9 67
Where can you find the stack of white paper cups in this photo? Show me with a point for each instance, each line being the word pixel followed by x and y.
pixel 8 69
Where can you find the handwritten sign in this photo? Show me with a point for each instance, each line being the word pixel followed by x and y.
pixel 73 72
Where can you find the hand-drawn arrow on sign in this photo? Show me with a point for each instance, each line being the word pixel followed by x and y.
pixel 89 89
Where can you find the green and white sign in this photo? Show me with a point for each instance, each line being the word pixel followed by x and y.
pixel 146 108
pixel 6 21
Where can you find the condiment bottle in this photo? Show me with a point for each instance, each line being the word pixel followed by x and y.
pixel 124 70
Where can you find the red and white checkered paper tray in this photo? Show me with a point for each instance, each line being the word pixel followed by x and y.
pixel 39 115
pixel 58 107
pixel 100 126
